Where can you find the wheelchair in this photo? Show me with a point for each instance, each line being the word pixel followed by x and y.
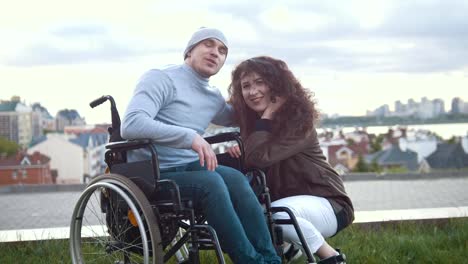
pixel 117 219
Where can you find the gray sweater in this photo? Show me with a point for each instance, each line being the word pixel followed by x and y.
pixel 169 106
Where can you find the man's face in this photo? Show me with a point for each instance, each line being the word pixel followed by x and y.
pixel 207 57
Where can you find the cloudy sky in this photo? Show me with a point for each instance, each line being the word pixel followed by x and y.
pixel 354 55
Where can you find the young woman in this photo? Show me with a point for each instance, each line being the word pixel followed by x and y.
pixel 276 116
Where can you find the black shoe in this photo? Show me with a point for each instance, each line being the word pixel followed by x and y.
pixel 338 259
pixel 292 254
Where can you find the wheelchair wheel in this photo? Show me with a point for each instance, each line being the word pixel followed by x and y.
pixel 113 222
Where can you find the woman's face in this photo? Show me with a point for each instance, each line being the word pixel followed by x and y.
pixel 255 91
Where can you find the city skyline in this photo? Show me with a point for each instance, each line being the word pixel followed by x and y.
pixel 425 108
pixel 354 56
pixel 45 106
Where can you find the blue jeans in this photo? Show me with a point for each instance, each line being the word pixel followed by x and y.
pixel 231 208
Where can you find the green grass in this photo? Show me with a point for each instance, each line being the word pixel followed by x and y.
pixel 442 241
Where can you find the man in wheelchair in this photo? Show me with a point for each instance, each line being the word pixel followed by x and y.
pixel 172 107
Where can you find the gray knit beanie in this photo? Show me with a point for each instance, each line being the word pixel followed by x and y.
pixel 202 34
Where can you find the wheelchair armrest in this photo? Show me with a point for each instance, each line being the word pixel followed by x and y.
pixel 123 146
pixel 224 158
pixel 260 175
pixel 223 137
pixel 128 144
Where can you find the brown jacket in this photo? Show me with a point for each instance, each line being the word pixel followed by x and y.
pixel 297 166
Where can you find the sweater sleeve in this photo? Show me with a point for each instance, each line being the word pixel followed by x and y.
pixel 224 117
pixel 154 91
pixel 262 152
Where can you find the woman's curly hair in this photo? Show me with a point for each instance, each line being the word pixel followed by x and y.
pixel 298 114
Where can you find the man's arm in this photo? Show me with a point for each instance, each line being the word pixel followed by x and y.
pixel 153 92
pixel 225 117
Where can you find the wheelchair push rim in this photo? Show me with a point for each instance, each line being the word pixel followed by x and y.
pixel 101 232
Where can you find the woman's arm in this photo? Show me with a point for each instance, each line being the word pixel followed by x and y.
pixel 262 152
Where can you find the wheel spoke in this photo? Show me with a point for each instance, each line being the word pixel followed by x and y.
pixel 101 231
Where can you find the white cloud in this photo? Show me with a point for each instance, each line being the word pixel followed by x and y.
pixel 285 19
pixel 371 14
pixel 74 44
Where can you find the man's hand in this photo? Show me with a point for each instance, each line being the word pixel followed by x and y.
pixel 273 107
pixel 205 153
pixel 234 151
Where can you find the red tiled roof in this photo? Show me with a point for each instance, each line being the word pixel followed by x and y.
pixel 15 160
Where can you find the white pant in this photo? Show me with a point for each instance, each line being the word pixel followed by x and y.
pixel 314 215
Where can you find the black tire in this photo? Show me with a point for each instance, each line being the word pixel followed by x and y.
pixel 104 228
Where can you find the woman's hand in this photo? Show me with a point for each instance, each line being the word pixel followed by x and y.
pixel 234 151
pixel 273 107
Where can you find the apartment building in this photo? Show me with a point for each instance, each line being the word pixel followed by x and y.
pixel 46 120
pixel 18 122
pixel 68 117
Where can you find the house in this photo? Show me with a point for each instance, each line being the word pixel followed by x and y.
pixel 448 156
pixel 394 157
pixel 343 151
pixel 326 142
pixel 341 155
pixel 25 169
pixel 422 144
pixel 66 157
pixel 76 157
pixel 392 137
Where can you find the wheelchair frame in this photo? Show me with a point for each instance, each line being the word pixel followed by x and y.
pixel 153 226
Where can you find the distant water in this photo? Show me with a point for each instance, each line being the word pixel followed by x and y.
pixel 446 131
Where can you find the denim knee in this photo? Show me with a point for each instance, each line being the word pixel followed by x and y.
pixel 215 189
pixel 233 178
